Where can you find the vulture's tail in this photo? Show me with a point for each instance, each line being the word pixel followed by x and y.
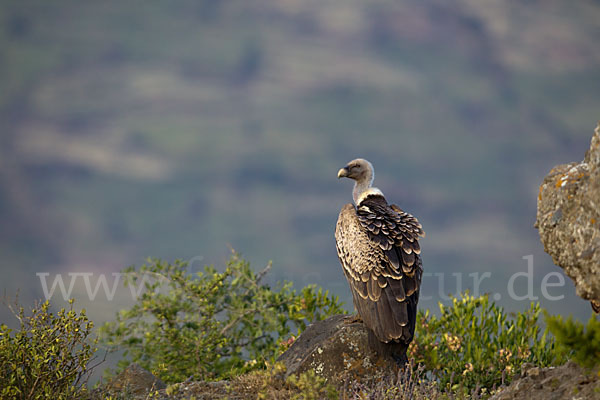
pixel 396 350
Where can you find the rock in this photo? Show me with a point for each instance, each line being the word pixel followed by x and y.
pixel 200 390
pixel 338 350
pixel 568 220
pixel 135 382
pixel 569 381
pixel 528 369
pixel 525 368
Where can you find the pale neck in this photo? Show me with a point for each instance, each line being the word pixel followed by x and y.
pixel 360 187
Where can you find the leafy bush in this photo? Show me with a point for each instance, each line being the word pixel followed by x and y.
pixel 475 343
pixel 212 325
pixel 309 386
pixel 48 356
pixel 576 340
pixel 304 386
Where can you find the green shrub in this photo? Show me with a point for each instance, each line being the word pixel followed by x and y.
pixel 576 340
pixel 211 325
pixel 473 343
pixel 310 386
pixel 48 356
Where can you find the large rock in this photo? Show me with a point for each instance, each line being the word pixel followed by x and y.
pixel 568 219
pixel 135 382
pixel 337 349
pixel 569 381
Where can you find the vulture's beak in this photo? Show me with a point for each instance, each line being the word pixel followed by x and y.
pixel 343 172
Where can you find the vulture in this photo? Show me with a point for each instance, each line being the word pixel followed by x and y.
pixel 378 246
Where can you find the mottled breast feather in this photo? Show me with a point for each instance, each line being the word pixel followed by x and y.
pixel 378 248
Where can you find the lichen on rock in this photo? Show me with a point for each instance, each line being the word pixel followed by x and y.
pixel 568 219
pixel 338 350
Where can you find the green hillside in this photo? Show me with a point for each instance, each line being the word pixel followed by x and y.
pixel 141 128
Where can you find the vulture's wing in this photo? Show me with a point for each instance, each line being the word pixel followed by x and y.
pixel 378 248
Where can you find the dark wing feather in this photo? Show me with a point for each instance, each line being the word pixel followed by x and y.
pixel 378 248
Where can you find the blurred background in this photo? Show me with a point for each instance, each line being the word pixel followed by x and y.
pixel 177 129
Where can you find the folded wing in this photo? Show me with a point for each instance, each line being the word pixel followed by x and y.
pixel 378 248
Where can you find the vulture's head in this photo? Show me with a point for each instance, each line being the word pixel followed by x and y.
pixel 360 170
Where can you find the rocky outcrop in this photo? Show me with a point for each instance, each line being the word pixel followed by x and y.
pixel 134 382
pixel 337 349
pixel 568 220
pixel 568 381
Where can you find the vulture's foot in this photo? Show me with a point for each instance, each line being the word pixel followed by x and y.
pixel 401 360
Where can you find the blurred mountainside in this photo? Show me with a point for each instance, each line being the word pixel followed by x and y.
pixel 172 129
